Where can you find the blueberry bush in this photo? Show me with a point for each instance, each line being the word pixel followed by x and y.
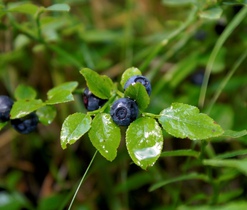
pixel 143 102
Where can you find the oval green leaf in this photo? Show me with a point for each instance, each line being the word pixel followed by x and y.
pixel 234 134
pixel 105 136
pixel 178 2
pixel 67 86
pixel 22 108
pixel 26 8
pixel 240 165
pixel 129 73
pixel 60 97
pixel 61 93
pixel 101 86
pixel 73 128
pixel 46 114
pixel 144 141
pixel 2 125
pixel 138 93
pixel 183 120
pixel 24 92
pixel 212 13
pixel 58 8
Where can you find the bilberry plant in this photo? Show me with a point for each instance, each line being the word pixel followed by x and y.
pixel 6 104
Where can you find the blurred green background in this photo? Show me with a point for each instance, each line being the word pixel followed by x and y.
pixel 171 42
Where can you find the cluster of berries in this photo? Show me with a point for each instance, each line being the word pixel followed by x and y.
pixel 124 110
pixel 23 125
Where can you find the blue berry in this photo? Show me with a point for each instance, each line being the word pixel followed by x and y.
pixel 197 77
pixel 6 104
pixel 141 79
pixel 25 124
pixel 124 111
pixel 91 101
pixel 200 35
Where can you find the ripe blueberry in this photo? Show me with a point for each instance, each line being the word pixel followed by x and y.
pixel 6 104
pixel 124 111
pixel 141 79
pixel 25 124
pixel 91 101
pixel 197 77
pixel 200 35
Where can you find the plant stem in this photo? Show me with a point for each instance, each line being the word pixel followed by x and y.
pixel 191 18
pixel 81 181
pixel 227 32
pixel 225 80
pixel 146 114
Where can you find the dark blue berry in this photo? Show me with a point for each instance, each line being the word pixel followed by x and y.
pixel 124 111
pixel 197 77
pixel 91 101
pixel 200 35
pixel 141 79
pixel 25 124
pixel 220 27
pixel 6 104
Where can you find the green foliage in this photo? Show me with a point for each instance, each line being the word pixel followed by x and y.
pixel 44 46
pixel 25 93
pixel 144 141
pixel 182 120
pixel 61 93
pixel 22 108
pixel 74 127
pixel 132 71
pixel 138 93
pixel 105 136
pixel 100 86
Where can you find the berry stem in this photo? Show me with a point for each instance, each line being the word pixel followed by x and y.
pixel 146 114
pixel 102 109
pixel 82 179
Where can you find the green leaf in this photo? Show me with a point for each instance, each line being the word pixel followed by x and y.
pixel 74 126
pixel 67 86
pixel 231 154
pixel 58 8
pixel 187 152
pixel 235 2
pixel 183 120
pixel 240 165
pixel 22 108
pixel 105 136
pixel 129 73
pixel 190 176
pixel 178 2
pixel 46 114
pixel 101 86
pixel 61 93
pixel 60 97
pixel 24 92
pixel 138 93
pixel 212 13
pixel 26 8
pixel 234 134
pixel 2 125
pixel 144 141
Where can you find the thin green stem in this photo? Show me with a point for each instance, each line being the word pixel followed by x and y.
pixel 146 114
pixel 102 109
pixel 82 179
pixel 192 16
pixel 227 32
pixel 37 19
pixel 225 80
